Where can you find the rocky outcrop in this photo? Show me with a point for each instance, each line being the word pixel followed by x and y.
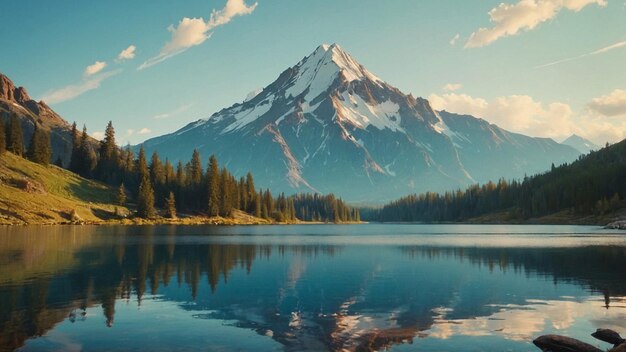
pixel 15 101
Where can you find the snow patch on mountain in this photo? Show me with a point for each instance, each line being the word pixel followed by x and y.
pixel 353 109
pixel 247 116
pixel 319 70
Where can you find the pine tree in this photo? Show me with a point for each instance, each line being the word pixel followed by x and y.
pixel 157 176
pixel 170 206
pixel 180 184
pixel 3 141
pixel 196 168
pixel 14 137
pixel 170 175
pixel 39 147
pixel 145 199
pixel 226 205
pixel 121 195
pixel 46 147
pixel 257 206
pixel 213 178
pixel 129 166
pixel 108 165
pixel 87 157
pixel 252 196
pixel 142 165
pixel 75 157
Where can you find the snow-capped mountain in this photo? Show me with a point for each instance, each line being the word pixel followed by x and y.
pixel 581 144
pixel 327 124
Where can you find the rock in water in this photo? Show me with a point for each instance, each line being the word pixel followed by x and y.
pixel 620 348
pixel 557 343
pixel 608 335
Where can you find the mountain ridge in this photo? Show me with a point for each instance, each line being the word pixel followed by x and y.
pixel 327 124
pixel 15 101
pixel 581 144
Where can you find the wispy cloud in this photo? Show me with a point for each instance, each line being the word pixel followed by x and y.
pixel 451 87
pixel 172 113
pixel 93 76
pixel 597 52
pixel 455 39
pixel 72 91
pixel 127 54
pixel 525 15
pixel 144 130
pixel 94 68
pixel 194 31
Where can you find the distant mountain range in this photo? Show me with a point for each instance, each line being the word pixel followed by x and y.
pixel 327 124
pixel 581 144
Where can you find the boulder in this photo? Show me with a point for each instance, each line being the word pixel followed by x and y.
pixel 558 343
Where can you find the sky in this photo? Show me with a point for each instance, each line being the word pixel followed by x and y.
pixel 546 68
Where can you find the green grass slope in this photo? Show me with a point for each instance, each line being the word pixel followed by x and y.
pixel 31 193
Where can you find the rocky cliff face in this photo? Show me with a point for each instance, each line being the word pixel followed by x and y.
pixel 15 101
pixel 327 124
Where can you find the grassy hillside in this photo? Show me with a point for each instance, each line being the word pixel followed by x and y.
pixel 33 193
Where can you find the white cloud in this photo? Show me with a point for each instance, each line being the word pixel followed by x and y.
pixel 521 113
pixel 144 130
pixel 596 52
pixel 525 15
pixel 74 90
pixel 178 110
pixel 129 132
pixel 95 68
pixel 455 39
pixel 451 87
pixel 516 113
pixel 98 135
pixel 127 54
pixel 613 104
pixel 194 31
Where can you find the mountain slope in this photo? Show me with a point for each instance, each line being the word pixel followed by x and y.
pixel 581 144
pixel 15 101
pixel 327 124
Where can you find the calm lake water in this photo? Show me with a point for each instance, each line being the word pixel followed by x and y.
pixel 307 287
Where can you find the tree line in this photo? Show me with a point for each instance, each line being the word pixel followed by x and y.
pixel 595 184
pixel 39 149
pixel 189 187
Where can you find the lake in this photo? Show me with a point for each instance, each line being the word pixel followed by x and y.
pixel 307 287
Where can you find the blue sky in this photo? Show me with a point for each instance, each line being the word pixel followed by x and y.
pixel 432 49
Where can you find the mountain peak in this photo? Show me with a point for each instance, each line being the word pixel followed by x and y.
pixel 319 71
pixel 345 63
pixel 10 92
pixel 7 88
pixel 581 144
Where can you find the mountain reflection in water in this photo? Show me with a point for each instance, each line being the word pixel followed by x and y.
pixel 134 288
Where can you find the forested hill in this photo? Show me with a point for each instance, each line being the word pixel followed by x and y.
pixel 593 185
